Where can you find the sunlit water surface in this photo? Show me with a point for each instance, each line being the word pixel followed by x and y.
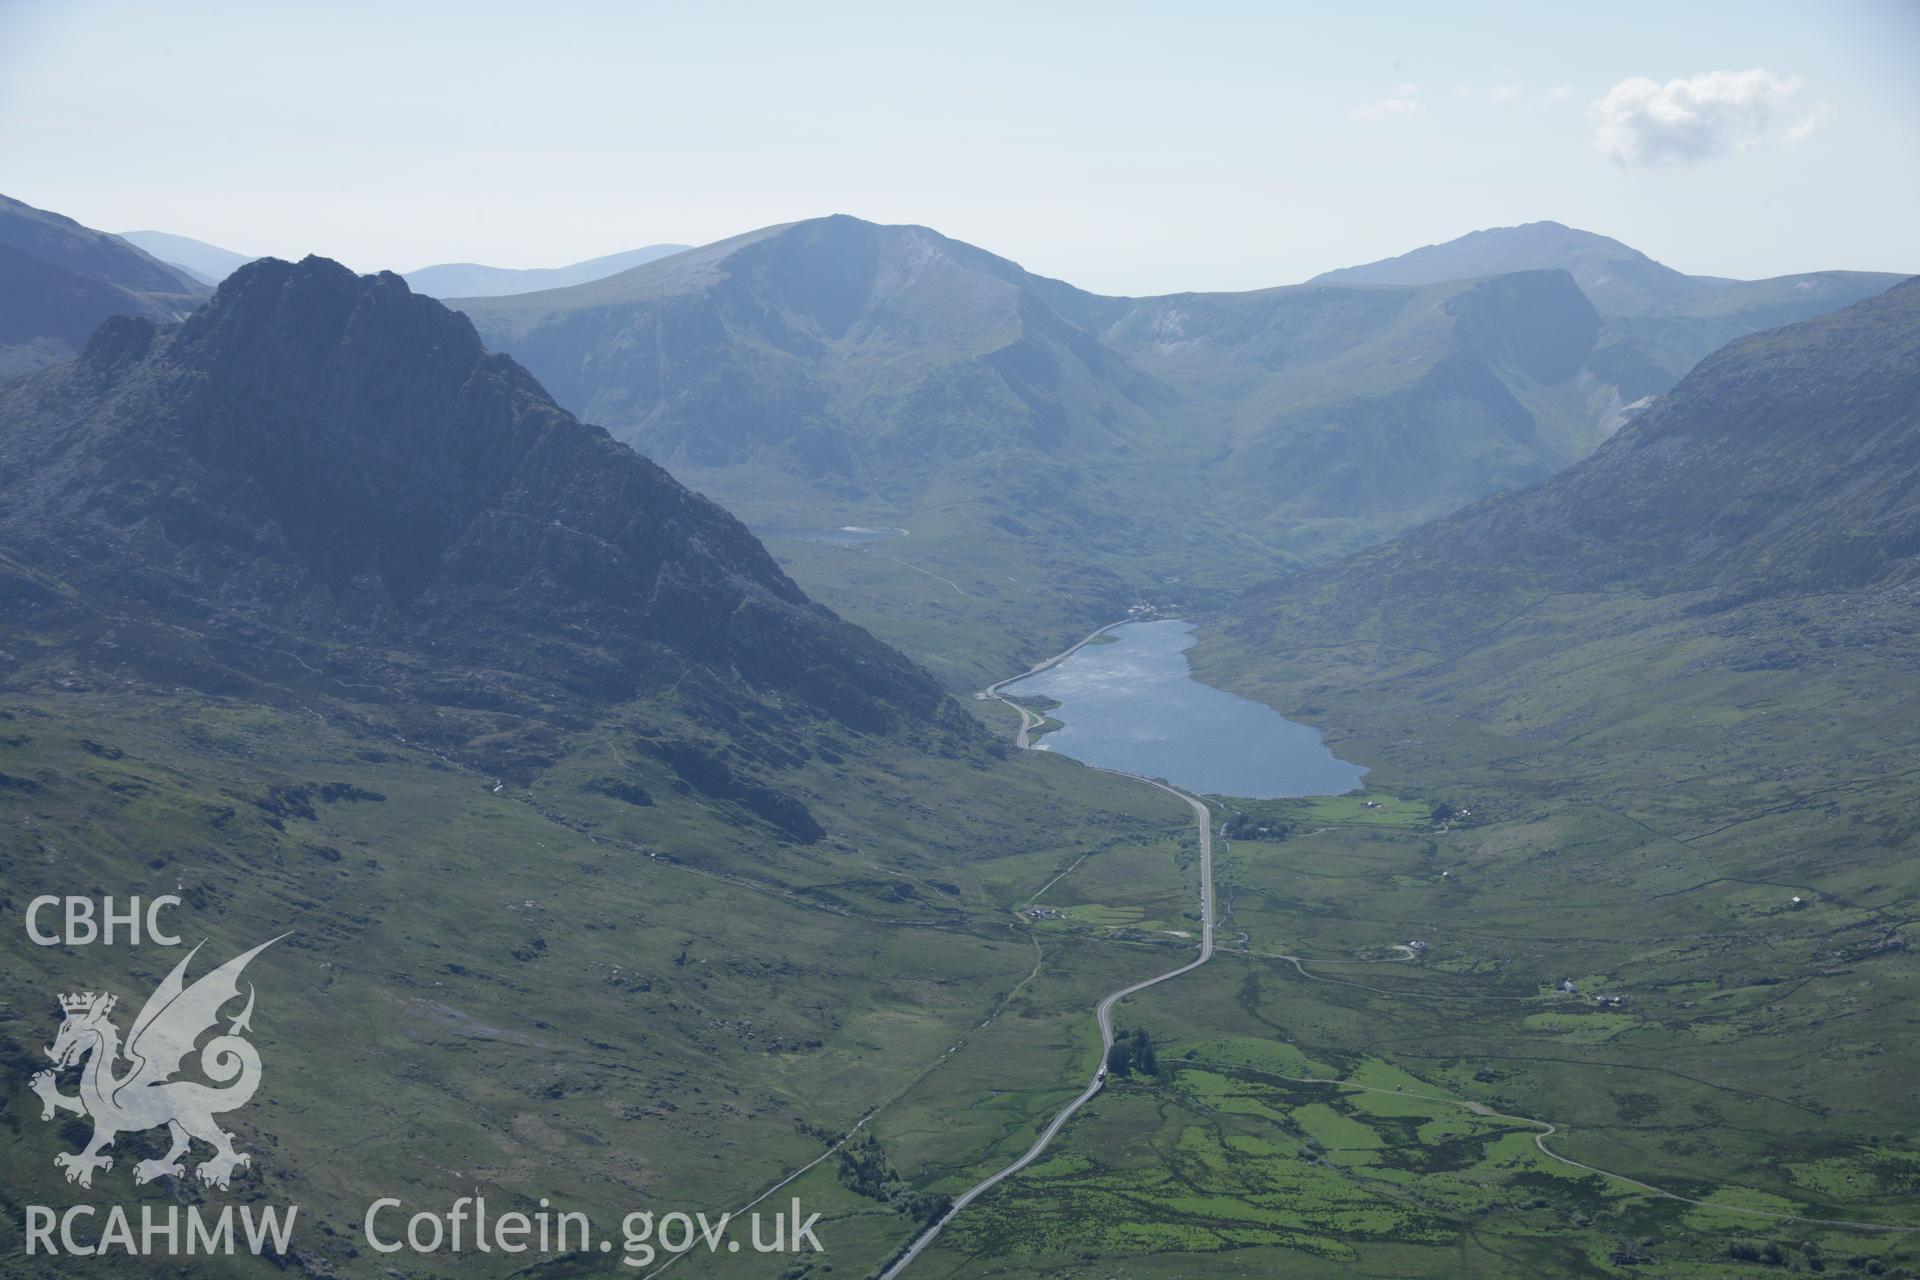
pixel 1134 705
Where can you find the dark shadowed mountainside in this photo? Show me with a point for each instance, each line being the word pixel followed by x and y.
pixel 327 624
pixel 59 280
pixel 319 450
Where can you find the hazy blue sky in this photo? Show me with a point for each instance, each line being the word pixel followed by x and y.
pixel 1128 148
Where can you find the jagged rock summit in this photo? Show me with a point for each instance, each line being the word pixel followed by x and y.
pixel 319 452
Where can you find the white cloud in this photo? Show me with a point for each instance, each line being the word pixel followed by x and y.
pixel 1715 113
pixel 1560 93
pixel 1813 122
pixel 1402 104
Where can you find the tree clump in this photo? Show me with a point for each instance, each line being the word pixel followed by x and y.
pixel 1132 1052
pixel 866 1171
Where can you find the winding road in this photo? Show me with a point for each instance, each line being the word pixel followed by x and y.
pixel 1104 1011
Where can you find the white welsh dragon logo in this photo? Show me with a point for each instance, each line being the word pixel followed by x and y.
pixel 146 1095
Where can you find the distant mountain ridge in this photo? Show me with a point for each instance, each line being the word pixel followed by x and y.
pixel 1619 279
pixel 1787 463
pixel 211 264
pixel 473 280
pixel 1660 322
pixel 847 334
pixel 836 371
pixel 208 263
pixel 861 351
pixel 59 280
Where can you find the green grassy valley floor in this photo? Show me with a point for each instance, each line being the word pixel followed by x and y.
pixel 504 991
pixel 1638 818
pixel 1715 1081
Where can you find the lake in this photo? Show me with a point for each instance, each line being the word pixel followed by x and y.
pixel 1135 706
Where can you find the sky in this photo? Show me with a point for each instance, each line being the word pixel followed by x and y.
pixel 1128 148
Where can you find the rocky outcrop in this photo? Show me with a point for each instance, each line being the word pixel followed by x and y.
pixel 320 452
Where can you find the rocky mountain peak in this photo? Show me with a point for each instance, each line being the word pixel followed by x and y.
pixel 317 444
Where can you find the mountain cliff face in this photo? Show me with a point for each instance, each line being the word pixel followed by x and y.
pixel 317 451
pixel 59 280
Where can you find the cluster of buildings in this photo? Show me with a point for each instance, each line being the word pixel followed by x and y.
pixel 1568 986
